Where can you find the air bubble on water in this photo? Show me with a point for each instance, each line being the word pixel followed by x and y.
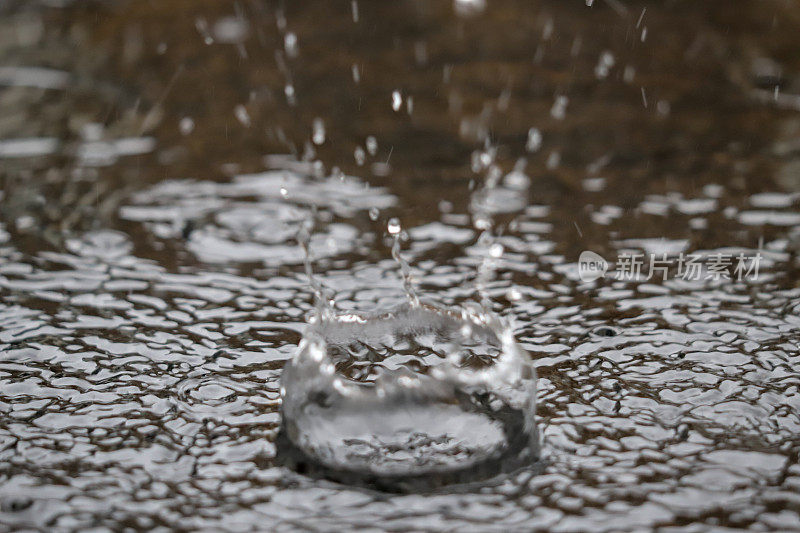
pixel 318 135
pixel 604 65
pixel 290 44
pixel 559 109
pixel 397 100
pixel 372 145
pixel 534 141
pixel 242 115
pixel 374 213
pixel 359 155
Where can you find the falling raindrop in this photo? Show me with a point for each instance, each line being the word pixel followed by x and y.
pixel 186 126
pixel 466 8
pixel 397 100
pixel 559 109
pixel 534 140
pixel 359 155
pixel 290 96
pixel 372 145
pixel 242 115
pixel 604 65
pixel 290 44
pixel 318 136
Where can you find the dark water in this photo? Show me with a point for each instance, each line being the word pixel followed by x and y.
pixel 158 159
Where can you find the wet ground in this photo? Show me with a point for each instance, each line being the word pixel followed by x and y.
pixel 158 159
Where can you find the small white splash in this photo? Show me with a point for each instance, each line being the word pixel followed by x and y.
pixel 318 135
pixel 397 100
pixel 496 250
pixel 534 141
pixel 559 109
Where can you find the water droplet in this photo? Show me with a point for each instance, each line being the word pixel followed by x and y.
pixel 553 160
pixel 372 145
pixel 186 126
pixel 394 227
pixel 290 96
pixel 290 44
pixel 359 155
pixel 604 65
pixel 559 109
pixel 242 115
pixel 466 8
pixel 319 131
pixel 534 140
pixel 397 100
